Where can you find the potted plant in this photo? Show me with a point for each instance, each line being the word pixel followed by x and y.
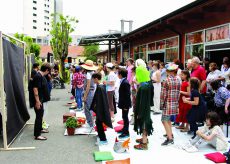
pixel 71 124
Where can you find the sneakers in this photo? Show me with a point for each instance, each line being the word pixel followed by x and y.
pixel 101 143
pixel 191 149
pixel 167 142
pixel 141 146
pixel 186 146
pixel 123 136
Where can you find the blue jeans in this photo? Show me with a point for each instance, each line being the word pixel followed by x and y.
pixel 78 97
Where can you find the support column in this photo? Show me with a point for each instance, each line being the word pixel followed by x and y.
pixel 109 52
pixel 121 53
pixel 116 50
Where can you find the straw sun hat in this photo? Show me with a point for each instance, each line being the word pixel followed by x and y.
pixel 89 65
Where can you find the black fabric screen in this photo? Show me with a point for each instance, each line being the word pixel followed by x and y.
pixel 17 113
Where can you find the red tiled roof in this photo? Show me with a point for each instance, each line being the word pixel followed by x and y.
pixel 74 51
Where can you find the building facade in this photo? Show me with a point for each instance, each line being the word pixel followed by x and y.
pixel 37 18
pixel 201 28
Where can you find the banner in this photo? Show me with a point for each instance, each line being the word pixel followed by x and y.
pixel 17 114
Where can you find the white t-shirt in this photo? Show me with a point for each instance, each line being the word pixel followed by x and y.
pixel 111 77
pixel 213 76
pixel 220 141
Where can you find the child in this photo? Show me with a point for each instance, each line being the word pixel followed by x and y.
pixel 124 102
pixel 100 106
pixel 184 108
pixel 197 112
pixel 78 84
pixel 210 133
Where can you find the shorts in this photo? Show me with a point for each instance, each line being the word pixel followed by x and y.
pixel 110 95
pixel 165 118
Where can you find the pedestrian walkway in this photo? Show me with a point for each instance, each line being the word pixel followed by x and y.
pixel 58 149
pixel 157 153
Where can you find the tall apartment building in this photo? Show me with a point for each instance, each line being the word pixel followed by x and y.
pixel 37 18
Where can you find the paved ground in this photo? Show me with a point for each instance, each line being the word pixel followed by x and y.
pixel 58 148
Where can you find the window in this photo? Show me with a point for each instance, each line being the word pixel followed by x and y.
pixel 34 27
pixel 172 47
pixel 34 14
pixel 151 46
pixel 48 5
pixel 48 30
pixel 194 45
pixel 35 2
pixel 45 23
pixel 160 45
pixel 34 8
pixel 44 29
pixel 46 17
pixel 218 33
pixel 48 24
pixel 45 5
pixel 34 21
pixel 46 11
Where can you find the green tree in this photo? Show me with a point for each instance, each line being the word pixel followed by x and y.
pixel 61 39
pixel 90 51
pixel 30 46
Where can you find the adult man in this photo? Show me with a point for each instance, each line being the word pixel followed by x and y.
pixel 30 85
pixel 41 95
pixel 200 73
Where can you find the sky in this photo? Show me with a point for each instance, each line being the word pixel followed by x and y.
pixel 95 16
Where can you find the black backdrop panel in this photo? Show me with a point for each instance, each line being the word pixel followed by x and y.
pixel 17 113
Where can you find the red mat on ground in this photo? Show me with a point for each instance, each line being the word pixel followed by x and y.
pixel 118 128
pixel 121 122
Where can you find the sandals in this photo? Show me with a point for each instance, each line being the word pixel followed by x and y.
pixel 44 131
pixel 141 146
pixel 140 140
pixel 42 138
pixel 184 130
pixel 180 127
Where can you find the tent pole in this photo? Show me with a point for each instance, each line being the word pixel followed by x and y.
pixel 3 108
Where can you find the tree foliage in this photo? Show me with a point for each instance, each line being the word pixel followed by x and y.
pixel 61 39
pixel 90 51
pixel 31 47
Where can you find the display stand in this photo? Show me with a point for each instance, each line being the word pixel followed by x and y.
pixel 6 147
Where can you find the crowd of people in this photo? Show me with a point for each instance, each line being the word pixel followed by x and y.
pixel 180 94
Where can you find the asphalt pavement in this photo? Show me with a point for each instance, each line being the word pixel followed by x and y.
pixel 58 149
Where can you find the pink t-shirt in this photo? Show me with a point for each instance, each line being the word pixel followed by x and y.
pixel 200 73
pixel 129 76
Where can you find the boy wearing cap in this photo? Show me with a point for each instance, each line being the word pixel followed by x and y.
pixel 170 93
pixel 78 83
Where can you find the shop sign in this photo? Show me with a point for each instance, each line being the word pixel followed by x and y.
pixel 172 42
pixel 160 45
pixel 218 33
pixel 195 38
pixel 151 46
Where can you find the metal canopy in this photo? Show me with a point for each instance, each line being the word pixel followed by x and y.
pixel 104 39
